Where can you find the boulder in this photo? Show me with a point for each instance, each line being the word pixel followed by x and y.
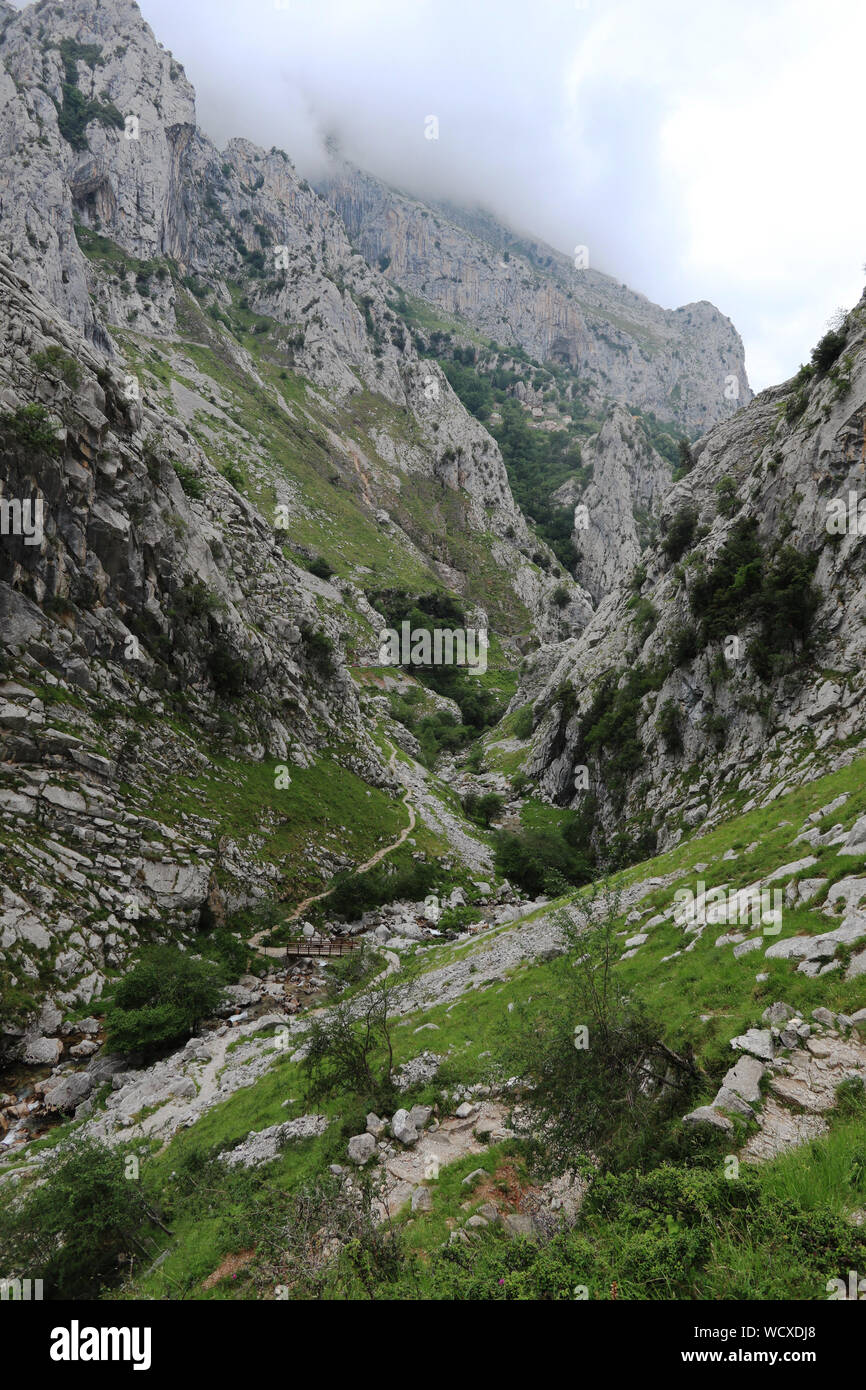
pixel 776 1014
pixel 856 966
pixel 69 1092
pixel 706 1115
pixel 516 1224
pixel 403 1129
pixel 361 1148
pixel 824 1016
pixel 745 947
pixel 757 1041
pixel 855 840
pixel 744 1077
pixel 43 1051
pixel 419 1116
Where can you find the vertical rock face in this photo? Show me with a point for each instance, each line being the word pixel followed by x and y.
pixel 614 514
pixel 101 151
pixel 143 621
pixel 753 595
pixel 71 76
pixel 685 364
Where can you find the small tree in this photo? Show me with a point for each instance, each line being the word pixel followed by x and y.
pixel 596 1067
pixel 351 1049
pixel 680 533
pixel 483 809
pixel 326 1240
pixel 686 457
pixel 73 1229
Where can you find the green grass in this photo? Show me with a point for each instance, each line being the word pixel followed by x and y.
pixel 780 1230
pixel 326 806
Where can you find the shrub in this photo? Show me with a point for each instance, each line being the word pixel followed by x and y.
pixel 228 671
pixel 194 600
pixel 351 1048
pixel 715 726
pixel 483 809
pixel 668 727
pixel 164 996
pixel 289 1231
pixel 726 493
pixel 353 893
pixel 745 587
pixel 318 649
pixel 534 859
pixel 610 726
pixel 828 349
pixel 320 567
pixel 680 533
pixel 723 597
pixel 645 616
pixel 684 645
pixel 522 721
pixel 354 968
pixel 598 1103
pixel 454 919
pixel 54 359
pixel 30 427
pixel 76 112
pixel 685 457
pixel 191 483
pixel 234 475
pixel 75 1226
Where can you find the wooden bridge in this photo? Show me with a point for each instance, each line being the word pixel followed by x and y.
pixel 333 946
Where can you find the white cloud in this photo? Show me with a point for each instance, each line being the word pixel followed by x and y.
pixel 707 151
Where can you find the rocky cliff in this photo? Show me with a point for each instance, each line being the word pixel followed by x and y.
pixel 730 665
pixel 148 627
pixel 684 364
pixel 615 513
pixel 102 156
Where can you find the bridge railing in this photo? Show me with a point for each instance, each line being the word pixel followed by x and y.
pixel 334 946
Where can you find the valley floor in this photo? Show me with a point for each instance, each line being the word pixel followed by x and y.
pixel 467 1216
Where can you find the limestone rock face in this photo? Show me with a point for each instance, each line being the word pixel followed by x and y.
pixel 131 592
pixel 139 175
pixel 614 514
pixel 685 364
pixel 97 171
pixel 775 474
pixel 157 603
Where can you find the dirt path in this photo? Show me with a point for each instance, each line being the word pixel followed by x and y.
pixel 279 951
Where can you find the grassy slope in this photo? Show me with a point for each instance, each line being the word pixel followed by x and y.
pixel 827 1177
pixel 338 495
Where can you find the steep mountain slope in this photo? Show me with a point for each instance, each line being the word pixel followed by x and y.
pixel 231 446
pixel 233 449
pixel 153 627
pixel 684 364
pixel 615 513
pixel 729 666
pixel 98 134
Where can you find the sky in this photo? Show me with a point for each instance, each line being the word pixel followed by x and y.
pixel 701 149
